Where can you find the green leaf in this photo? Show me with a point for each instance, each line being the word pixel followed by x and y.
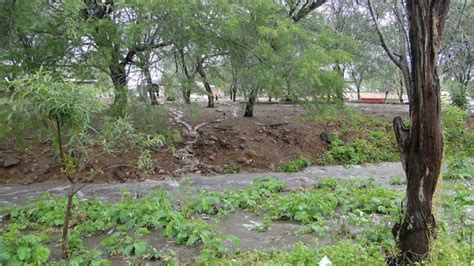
pixel 24 253
pixel 140 248
pixel 42 253
pixel 192 239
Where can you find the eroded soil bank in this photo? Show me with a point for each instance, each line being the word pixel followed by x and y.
pixel 212 140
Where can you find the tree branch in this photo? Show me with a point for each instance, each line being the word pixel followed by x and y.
pixel 396 61
pixel 306 9
pixel 140 48
pixel 402 134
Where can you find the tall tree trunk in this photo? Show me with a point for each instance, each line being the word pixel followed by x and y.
pixel 403 43
pixel 400 91
pixel 207 86
pixel 186 91
pixel 233 91
pixel 119 79
pixel 149 85
pixel 67 218
pixel 421 145
pixel 357 82
pixel 251 102
pixel 289 94
pixel 187 96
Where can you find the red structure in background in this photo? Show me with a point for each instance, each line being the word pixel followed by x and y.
pixel 372 100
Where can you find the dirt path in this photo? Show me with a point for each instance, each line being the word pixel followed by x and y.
pixel 21 194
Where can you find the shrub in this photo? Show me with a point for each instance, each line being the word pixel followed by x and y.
pixel 379 146
pixel 296 165
pixel 459 95
pixel 456 132
pixel 460 166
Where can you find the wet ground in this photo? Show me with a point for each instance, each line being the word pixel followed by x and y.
pixel 281 235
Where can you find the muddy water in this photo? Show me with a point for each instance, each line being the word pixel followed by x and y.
pixel 241 224
pixel 13 194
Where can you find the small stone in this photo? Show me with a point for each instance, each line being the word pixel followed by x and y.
pixel 212 157
pixel 9 162
pixel 242 146
pixel 251 154
pixel 40 168
pixel 214 138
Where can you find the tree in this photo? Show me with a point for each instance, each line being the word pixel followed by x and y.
pixel 31 42
pixel 41 103
pixel 400 59
pixel 109 34
pixel 421 145
pixel 457 54
pixel 272 50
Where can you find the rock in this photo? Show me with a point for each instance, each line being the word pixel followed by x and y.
pixel 325 262
pixel 325 138
pixel 40 168
pixel 120 175
pixel 214 138
pixel 9 162
pixel 241 160
pixel 14 171
pixel 212 157
pixel 250 154
pixel 242 146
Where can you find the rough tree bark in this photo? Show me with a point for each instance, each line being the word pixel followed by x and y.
pixel 119 79
pixel 300 9
pixel 233 92
pixel 207 86
pixel 357 79
pixel 421 145
pixel 149 85
pixel 251 102
pixel 186 91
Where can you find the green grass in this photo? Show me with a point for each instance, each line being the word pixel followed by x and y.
pixel 296 165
